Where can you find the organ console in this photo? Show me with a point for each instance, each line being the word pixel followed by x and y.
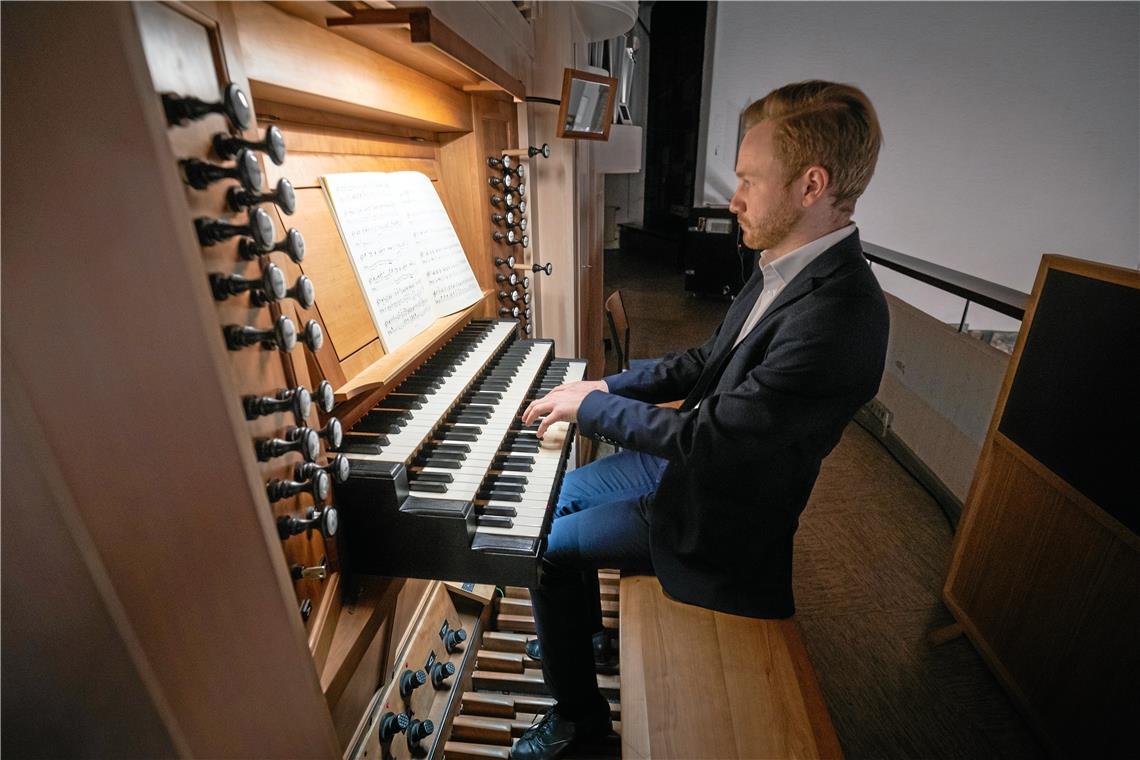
pixel 366 532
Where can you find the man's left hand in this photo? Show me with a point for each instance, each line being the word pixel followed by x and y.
pixel 560 405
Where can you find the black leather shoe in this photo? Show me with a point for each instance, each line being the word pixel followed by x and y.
pixel 604 653
pixel 552 736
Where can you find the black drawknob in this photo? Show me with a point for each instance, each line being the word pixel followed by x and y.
pixel 511 278
pixel 547 267
pixel 259 227
pixel 392 724
pixel 526 312
pixel 500 163
pixel 319 487
pixel 507 262
pixel 296 399
pixel 273 145
pixel 303 440
pixel 234 104
pixel 511 312
pixel 313 336
pixel 525 282
pixel 440 672
pixel 544 151
pixel 306 610
pixel 519 207
pixel 293 245
pixel 501 182
pixel 524 241
pixel 528 328
pixel 410 681
pixel 201 174
pixel 507 200
pixel 282 336
pixel 521 190
pixel 508 218
pixel 283 195
pixel 338 468
pixel 453 639
pixel 500 237
pixel 269 287
pixel 518 172
pixel 324 520
pixel 526 299
pixel 333 433
pixel 419 730
pixel 520 224
pixel 513 295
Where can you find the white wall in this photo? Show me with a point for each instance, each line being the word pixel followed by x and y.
pixel 1011 129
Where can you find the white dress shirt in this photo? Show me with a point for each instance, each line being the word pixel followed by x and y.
pixel 778 273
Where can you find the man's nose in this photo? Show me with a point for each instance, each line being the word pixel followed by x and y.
pixel 734 206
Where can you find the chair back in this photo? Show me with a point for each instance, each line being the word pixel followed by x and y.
pixel 619 328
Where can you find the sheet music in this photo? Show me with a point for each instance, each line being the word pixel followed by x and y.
pixel 448 273
pixel 407 258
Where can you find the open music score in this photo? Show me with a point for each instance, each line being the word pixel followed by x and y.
pixel 407 258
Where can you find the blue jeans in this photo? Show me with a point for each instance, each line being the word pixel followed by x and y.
pixel 599 522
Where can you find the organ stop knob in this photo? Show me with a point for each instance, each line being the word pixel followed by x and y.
pixel 410 681
pixel 303 440
pixel 338 468
pixel 547 267
pixel 297 399
pixel 440 672
pixel 273 145
pixel 418 730
pixel 181 110
pixel 544 151
pixel 282 336
pixel 319 487
pixel 392 724
pixel 507 262
pixel 324 520
pixel 259 227
pixel 283 195
pixel 201 174
pixel 454 639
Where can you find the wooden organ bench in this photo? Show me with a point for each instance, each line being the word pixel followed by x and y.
pixel 702 684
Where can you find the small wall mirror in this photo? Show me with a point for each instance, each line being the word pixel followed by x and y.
pixel 587 105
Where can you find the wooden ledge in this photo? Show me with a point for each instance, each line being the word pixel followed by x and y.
pixel 702 684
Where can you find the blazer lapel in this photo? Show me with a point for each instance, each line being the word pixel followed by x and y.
pixel 846 251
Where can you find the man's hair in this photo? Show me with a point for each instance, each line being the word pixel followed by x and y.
pixel 823 124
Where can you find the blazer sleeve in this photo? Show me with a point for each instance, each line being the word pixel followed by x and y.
pixel 668 380
pixel 809 381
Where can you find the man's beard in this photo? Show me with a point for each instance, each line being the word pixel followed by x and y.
pixel 771 230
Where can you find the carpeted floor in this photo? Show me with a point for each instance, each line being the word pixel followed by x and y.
pixel 871 555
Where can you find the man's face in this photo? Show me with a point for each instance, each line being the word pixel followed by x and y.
pixel 763 204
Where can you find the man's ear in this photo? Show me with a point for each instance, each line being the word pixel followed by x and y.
pixel 816 182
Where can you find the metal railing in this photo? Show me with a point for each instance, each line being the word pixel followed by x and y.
pixel 974 289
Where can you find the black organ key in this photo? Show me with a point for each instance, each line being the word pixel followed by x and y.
pixel 497 510
pixel 431 477
pixel 494 521
pixel 415 484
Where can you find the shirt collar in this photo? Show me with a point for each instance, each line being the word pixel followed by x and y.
pixel 784 269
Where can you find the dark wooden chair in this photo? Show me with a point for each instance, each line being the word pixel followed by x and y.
pixel 619 329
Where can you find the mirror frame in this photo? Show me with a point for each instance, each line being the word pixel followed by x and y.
pixel 567 77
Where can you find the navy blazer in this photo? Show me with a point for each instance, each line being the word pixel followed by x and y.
pixel 745 448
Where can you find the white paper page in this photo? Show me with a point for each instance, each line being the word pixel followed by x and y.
pixel 450 280
pixel 373 222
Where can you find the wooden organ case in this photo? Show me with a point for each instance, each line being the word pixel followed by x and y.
pixel 214 328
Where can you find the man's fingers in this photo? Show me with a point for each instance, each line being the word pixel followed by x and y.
pixel 554 416
pixel 537 409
